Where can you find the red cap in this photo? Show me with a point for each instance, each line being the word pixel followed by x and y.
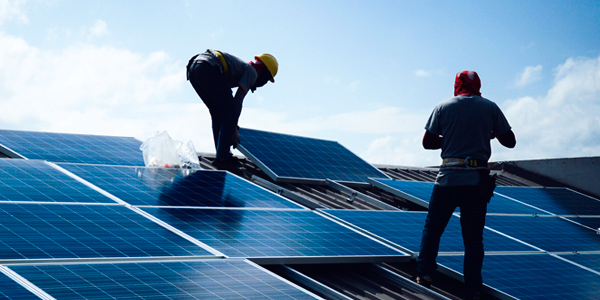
pixel 467 83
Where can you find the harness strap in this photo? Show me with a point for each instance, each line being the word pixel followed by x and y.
pixel 222 59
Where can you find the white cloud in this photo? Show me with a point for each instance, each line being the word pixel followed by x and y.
pixel 11 10
pixel 98 29
pixel 565 122
pixel 422 73
pixel 530 75
pixel 97 90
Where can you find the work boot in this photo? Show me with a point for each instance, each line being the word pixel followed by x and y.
pixel 234 161
pixel 473 298
pixel 424 281
pixel 225 165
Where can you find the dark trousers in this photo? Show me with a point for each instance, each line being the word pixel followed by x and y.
pixel 216 94
pixel 473 208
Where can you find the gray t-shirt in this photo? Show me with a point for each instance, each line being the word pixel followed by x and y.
pixel 466 124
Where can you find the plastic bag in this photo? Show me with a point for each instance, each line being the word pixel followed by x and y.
pixel 188 158
pixel 161 151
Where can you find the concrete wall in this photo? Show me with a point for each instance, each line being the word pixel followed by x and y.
pixel 582 173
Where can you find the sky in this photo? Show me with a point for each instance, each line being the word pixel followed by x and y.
pixel 364 73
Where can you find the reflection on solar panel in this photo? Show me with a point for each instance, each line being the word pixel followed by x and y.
pixel 36 231
pixel 260 233
pixel 11 290
pixel 591 261
pixel 559 201
pixel 405 229
pixel 75 148
pixel 534 276
pixel 34 180
pixel 215 279
pixel 548 233
pixel 176 187
pixel 284 157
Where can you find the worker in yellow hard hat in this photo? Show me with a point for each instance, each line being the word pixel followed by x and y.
pixel 213 74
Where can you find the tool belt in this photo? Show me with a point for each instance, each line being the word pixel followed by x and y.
pixel 222 63
pixel 463 162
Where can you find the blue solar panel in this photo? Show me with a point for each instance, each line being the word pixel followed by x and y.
pixel 176 187
pixel 284 156
pixel 529 277
pixel 34 180
pixel 591 261
pixel 405 229
pixel 420 193
pixel 215 279
pixel 559 201
pixel 548 233
pixel 74 148
pixel 36 231
pixel 592 222
pixel 261 233
pixel 11 290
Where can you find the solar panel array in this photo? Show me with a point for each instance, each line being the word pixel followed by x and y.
pixel 73 148
pixel 293 158
pixel 543 238
pixel 76 223
pixel 111 228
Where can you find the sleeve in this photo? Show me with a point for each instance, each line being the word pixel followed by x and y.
pixel 239 100
pixel 501 125
pixel 433 124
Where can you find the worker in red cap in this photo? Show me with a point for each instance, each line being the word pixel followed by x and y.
pixel 462 127
pixel 213 74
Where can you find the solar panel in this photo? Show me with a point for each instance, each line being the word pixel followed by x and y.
pixel 11 290
pixel 552 234
pixel 177 187
pixel 405 229
pixel 534 276
pixel 420 193
pixel 214 279
pixel 559 201
pixel 592 222
pixel 36 181
pixel 591 261
pixel 271 233
pixel 42 231
pixel 293 158
pixel 75 148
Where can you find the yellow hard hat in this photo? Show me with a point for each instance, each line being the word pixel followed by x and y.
pixel 271 63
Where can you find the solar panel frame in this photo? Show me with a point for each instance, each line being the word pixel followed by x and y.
pixel 178 187
pixel 209 279
pixel 75 148
pixel 63 231
pixel 276 236
pixel 11 289
pixel 529 277
pixel 304 158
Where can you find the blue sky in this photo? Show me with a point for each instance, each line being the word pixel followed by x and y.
pixel 364 73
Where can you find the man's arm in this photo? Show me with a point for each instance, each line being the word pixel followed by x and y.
pixel 432 141
pixel 508 139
